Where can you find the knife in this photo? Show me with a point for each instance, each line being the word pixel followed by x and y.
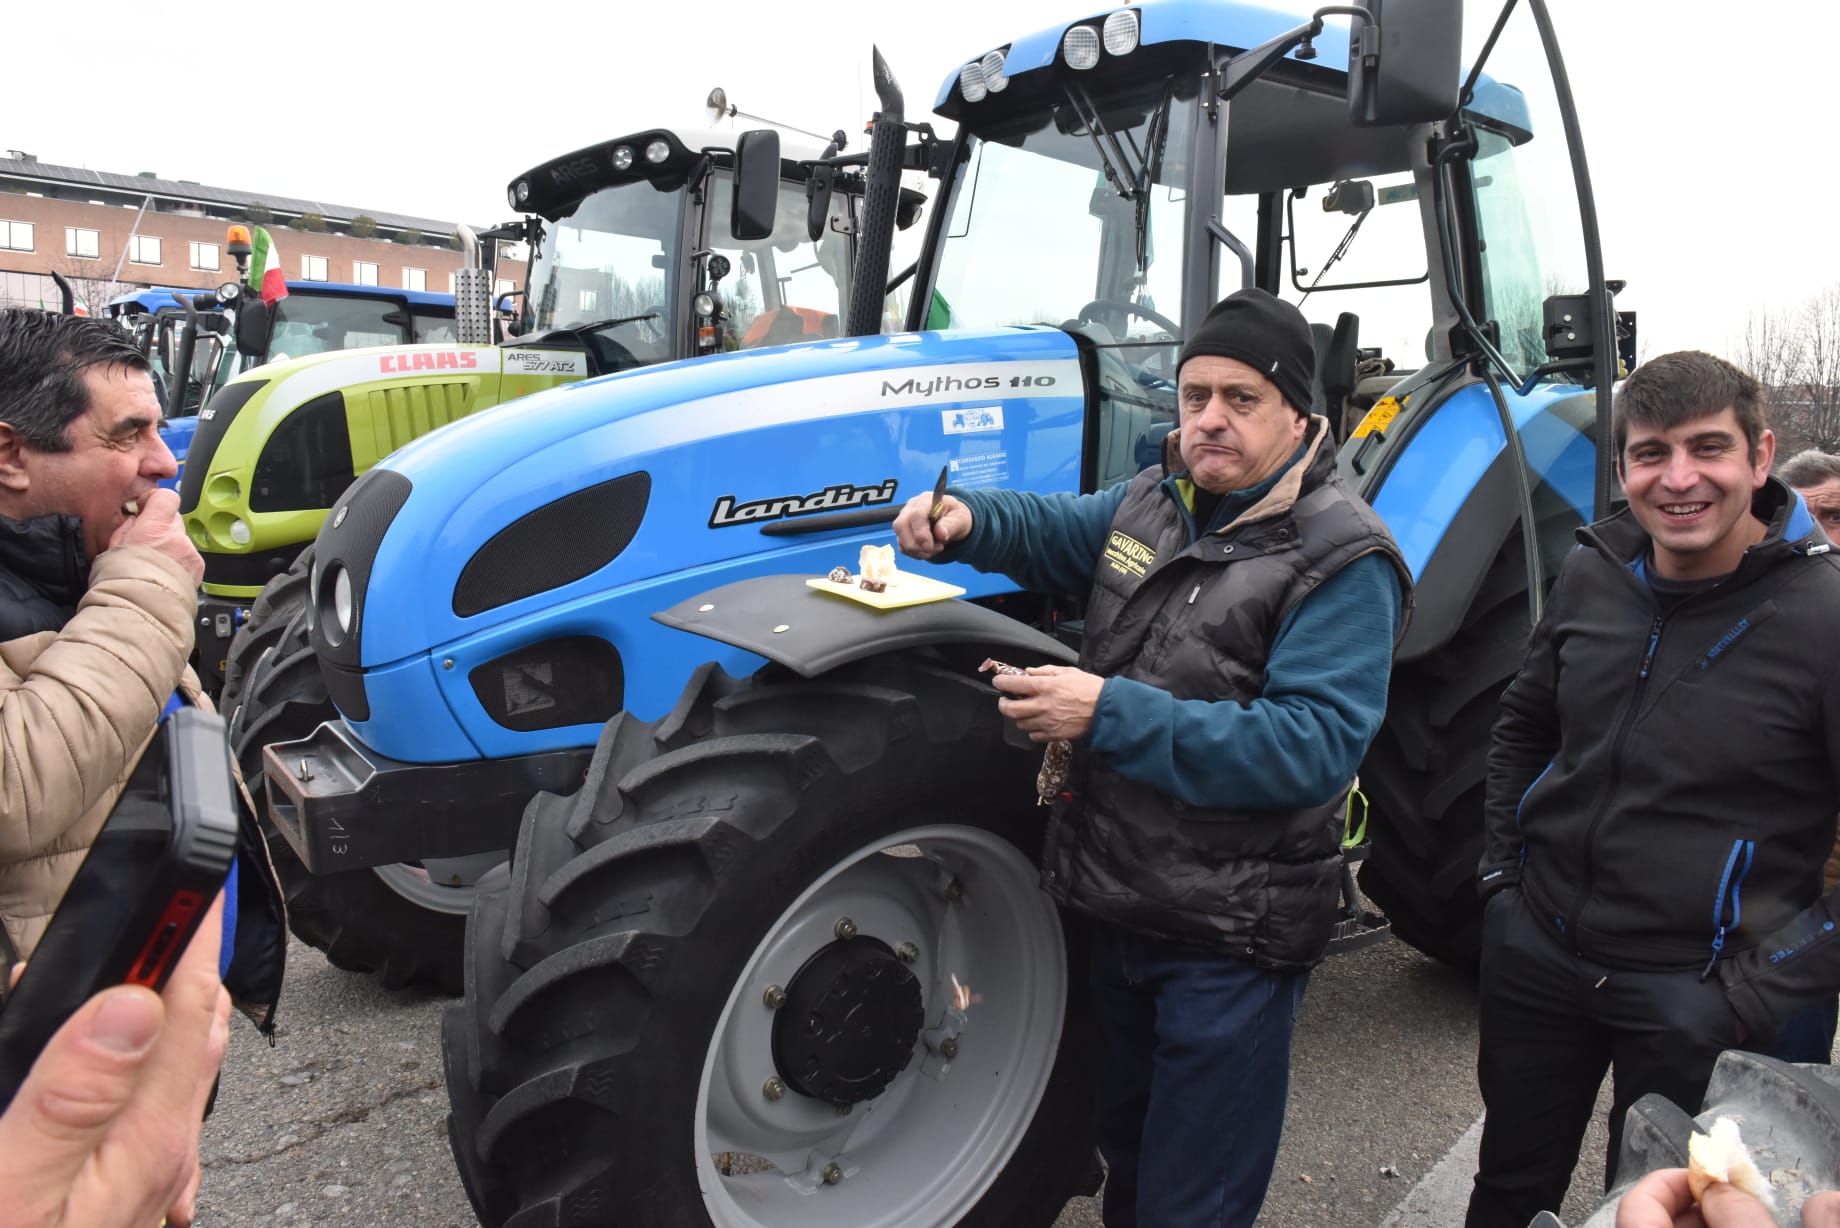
pixel 939 495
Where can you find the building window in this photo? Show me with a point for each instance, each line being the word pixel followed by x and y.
pixel 83 244
pixel 364 273
pixel 588 299
pixel 502 286
pixel 15 236
pixel 143 249
pixel 415 279
pixel 313 268
pixel 205 257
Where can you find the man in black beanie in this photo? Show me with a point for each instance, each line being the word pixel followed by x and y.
pixel 1239 636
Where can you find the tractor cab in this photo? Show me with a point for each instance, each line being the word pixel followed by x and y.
pixel 640 254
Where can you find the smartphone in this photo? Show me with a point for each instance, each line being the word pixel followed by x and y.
pixel 158 862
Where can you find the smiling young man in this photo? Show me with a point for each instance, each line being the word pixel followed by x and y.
pixel 1662 788
pixel 1239 636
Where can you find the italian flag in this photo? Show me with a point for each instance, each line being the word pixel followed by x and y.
pixel 265 268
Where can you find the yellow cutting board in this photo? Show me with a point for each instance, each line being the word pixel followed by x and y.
pixel 904 590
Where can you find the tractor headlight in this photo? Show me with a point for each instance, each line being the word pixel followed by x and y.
pixel 971 82
pixel 239 531
pixel 657 150
pixel 1121 32
pixel 704 304
pixel 992 68
pixel 622 157
pixel 1080 47
pixel 339 613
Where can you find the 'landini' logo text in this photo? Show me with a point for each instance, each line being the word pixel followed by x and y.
pixel 831 499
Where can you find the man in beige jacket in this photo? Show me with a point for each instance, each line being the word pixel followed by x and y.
pixel 98 587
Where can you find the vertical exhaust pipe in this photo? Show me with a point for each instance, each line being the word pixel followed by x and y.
pixel 882 192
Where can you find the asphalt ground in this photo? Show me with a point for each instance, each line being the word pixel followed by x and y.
pixel 341 1122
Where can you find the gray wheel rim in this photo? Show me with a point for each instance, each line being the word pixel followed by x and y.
pixel 447 885
pixel 932 1144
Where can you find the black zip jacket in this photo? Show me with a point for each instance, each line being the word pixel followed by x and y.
pixel 1664 788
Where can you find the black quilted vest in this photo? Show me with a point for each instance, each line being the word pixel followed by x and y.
pixel 1198 619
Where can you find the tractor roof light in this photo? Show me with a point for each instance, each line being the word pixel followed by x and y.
pixel 1121 32
pixel 236 240
pixel 971 82
pixel 622 157
pixel 519 193
pixel 657 150
pixel 992 68
pixel 1080 47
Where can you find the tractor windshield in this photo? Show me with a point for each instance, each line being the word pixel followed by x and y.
pixel 602 272
pixel 1072 215
pixel 320 323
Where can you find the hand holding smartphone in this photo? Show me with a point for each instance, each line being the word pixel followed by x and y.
pixel 150 877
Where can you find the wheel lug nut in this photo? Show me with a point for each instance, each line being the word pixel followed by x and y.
pixel 907 952
pixel 775 997
pixel 846 928
pixel 843 1110
pixel 773 1089
pixel 954 890
pixel 832 1174
pixel 948 1048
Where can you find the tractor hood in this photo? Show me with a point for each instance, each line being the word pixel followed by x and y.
pixel 578 513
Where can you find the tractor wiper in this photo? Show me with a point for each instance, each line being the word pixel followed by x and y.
pixel 1125 184
pixel 615 322
pixel 1156 135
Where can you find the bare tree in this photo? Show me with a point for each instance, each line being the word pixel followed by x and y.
pixel 1817 376
pixel 1770 348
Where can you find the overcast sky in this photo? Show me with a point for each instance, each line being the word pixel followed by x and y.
pixel 1705 122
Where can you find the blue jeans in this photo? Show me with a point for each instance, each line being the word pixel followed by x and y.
pixel 1194 1066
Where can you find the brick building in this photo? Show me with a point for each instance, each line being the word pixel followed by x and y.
pixel 85 224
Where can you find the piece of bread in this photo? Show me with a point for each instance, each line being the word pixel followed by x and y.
pixel 876 563
pixel 1721 1157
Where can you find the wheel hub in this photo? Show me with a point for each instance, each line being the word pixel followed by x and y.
pixel 849 1024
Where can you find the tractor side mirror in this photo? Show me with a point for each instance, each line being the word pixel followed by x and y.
pixel 1405 65
pixel 163 343
pixel 818 193
pixel 756 186
pixel 252 327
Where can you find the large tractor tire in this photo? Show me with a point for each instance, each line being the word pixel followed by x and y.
pixel 1424 775
pixel 717 986
pixel 1788 1117
pixel 406 923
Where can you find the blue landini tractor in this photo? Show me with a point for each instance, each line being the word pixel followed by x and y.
pixel 769 949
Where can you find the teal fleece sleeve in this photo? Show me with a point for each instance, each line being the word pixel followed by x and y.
pixel 1045 543
pixel 1301 741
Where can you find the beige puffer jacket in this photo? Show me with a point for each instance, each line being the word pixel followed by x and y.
pixel 76 708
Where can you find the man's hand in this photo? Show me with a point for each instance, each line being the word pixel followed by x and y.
pixel 104 1130
pixel 920 535
pixel 1051 703
pixel 158 525
pixel 1662 1200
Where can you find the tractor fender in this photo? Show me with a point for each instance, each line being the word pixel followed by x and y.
pixel 812 632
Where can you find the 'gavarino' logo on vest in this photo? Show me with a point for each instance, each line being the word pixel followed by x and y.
pixel 1127 555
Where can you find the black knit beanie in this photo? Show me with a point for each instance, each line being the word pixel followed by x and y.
pixel 1267 334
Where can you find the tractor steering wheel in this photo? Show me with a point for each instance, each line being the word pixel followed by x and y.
pixel 1160 364
pixel 1137 309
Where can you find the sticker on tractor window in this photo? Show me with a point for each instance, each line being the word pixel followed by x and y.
pixel 424 360
pixel 538 362
pixel 840 497
pixel 1379 417
pixel 972 420
pixel 980 469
